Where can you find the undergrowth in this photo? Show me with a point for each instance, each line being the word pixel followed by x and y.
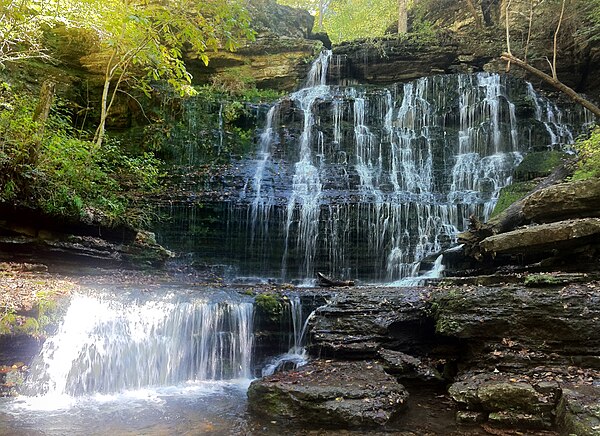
pixel 59 171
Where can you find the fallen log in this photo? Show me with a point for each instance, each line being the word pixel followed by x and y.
pixel 328 282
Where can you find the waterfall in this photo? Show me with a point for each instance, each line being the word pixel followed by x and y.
pixel 107 346
pixel 381 178
pixel 365 182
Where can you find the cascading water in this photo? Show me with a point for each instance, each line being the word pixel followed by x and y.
pixel 296 355
pixel 365 182
pixel 108 346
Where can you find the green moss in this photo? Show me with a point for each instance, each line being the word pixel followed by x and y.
pixel 589 152
pixel 510 194
pixel 268 306
pixel 18 325
pixel 538 164
pixel 448 327
pixel 542 280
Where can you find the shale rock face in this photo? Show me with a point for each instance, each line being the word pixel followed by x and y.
pixel 516 329
pixel 329 394
pixel 279 58
pixel 360 322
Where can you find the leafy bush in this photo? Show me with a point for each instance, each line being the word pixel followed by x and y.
pixel 66 176
pixel 589 156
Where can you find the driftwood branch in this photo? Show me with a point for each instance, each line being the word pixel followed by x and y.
pixel 555 83
pixel 326 282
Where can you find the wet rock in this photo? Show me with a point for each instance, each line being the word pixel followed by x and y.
pixel 404 366
pixel 357 322
pixel 329 394
pixel 519 420
pixel 470 417
pixel 579 411
pixel 393 60
pixel 506 399
pixel 508 327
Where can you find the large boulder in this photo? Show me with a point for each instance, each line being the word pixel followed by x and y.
pixel 329 394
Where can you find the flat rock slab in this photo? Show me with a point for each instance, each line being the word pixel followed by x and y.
pixel 542 237
pixel 329 394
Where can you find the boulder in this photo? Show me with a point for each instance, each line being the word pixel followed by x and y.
pixel 579 411
pixel 329 394
pixel 545 237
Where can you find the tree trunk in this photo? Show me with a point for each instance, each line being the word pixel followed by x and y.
pixel 402 17
pixel 321 13
pixel 40 115
pixel 99 136
pixel 554 83
pixel 473 11
pixel 42 110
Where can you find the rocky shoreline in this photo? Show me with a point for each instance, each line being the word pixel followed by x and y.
pixel 512 357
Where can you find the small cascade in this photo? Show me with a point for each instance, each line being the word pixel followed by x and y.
pixel 317 76
pixel 108 346
pixel 296 355
pixel 435 272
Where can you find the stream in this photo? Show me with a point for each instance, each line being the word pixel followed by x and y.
pixel 169 359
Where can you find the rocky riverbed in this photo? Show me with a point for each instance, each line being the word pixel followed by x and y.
pixel 521 356
pixel 518 354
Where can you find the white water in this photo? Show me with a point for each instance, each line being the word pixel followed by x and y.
pixel 105 346
pixel 363 183
pixel 296 355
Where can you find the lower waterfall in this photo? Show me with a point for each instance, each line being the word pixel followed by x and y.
pixel 110 345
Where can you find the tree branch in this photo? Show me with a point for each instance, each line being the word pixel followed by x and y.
pixel 554 82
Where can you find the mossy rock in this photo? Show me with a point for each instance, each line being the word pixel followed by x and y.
pixel 268 307
pixel 538 164
pixel 578 411
pixel 512 193
pixel 508 396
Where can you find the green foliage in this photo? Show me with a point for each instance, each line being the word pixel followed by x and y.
pixel 209 128
pixel 353 19
pixel 64 175
pixel 589 156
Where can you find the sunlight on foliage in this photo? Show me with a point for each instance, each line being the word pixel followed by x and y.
pixel 589 156
pixel 61 174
